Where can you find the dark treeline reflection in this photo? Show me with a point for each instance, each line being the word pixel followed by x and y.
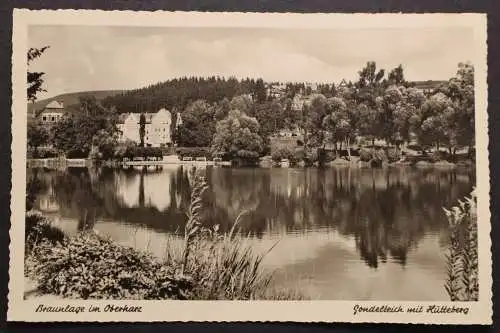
pixel 387 211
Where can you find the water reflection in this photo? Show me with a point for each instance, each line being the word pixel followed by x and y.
pixel 385 214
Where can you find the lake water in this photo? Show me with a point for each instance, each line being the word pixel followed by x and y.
pixel 343 234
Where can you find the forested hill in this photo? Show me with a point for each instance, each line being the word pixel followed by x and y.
pixel 178 93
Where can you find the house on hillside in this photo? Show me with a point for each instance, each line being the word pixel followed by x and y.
pixel 426 87
pixel 312 86
pixel 288 133
pixel 157 128
pixel 52 113
pixel 299 101
pixel 276 90
pixel 342 84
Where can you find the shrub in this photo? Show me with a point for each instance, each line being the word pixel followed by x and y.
pixel 414 147
pixel 462 256
pixel 355 152
pixel 330 156
pixel 311 155
pixel 130 151
pixel 194 152
pixel 46 153
pixel 88 266
pixel 393 155
pixel 300 143
pixel 365 155
pixel 282 153
pixel 77 153
pixel 38 229
pixel 298 155
pixel 438 156
pixel 379 155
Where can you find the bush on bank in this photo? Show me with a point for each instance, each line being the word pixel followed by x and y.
pixel 38 229
pixel 194 152
pixel 88 266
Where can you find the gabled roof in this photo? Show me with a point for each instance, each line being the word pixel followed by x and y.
pixel 148 115
pixel 54 105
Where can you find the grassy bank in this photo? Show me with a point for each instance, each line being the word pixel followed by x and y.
pixel 207 265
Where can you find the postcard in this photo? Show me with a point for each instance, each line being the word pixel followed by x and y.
pixel 188 166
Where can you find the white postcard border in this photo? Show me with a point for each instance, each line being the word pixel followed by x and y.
pixel 297 311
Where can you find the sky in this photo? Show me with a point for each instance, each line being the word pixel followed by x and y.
pixel 82 58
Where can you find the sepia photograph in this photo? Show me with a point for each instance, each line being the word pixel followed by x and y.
pixel 251 163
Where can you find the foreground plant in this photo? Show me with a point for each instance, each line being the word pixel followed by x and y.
pixel 224 266
pixel 462 257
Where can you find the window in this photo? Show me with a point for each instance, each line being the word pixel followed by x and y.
pixel 44 118
pixel 53 118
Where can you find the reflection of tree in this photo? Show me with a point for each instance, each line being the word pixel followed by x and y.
pixel 141 187
pixel 33 187
pixel 387 211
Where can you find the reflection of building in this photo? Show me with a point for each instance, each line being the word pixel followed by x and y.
pixel 127 189
pixel 47 202
pixel 157 128
pixel 155 188
pixel 52 113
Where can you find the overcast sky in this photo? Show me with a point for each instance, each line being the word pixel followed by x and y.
pixel 104 58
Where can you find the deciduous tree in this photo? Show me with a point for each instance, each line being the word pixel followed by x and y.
pixel 198 125
pixel 237 137
pixel 74 134
pixel 35 79
pixel 37 136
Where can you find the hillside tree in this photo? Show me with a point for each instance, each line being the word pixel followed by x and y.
pixel 37 136
pixel 35 79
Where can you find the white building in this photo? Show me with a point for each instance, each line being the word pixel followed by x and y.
pixel 157 128
pixel 52 113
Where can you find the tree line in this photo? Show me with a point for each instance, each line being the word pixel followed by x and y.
pixel 377 106
pixel 235 118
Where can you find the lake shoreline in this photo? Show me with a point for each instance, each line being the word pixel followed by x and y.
pixel 356 163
